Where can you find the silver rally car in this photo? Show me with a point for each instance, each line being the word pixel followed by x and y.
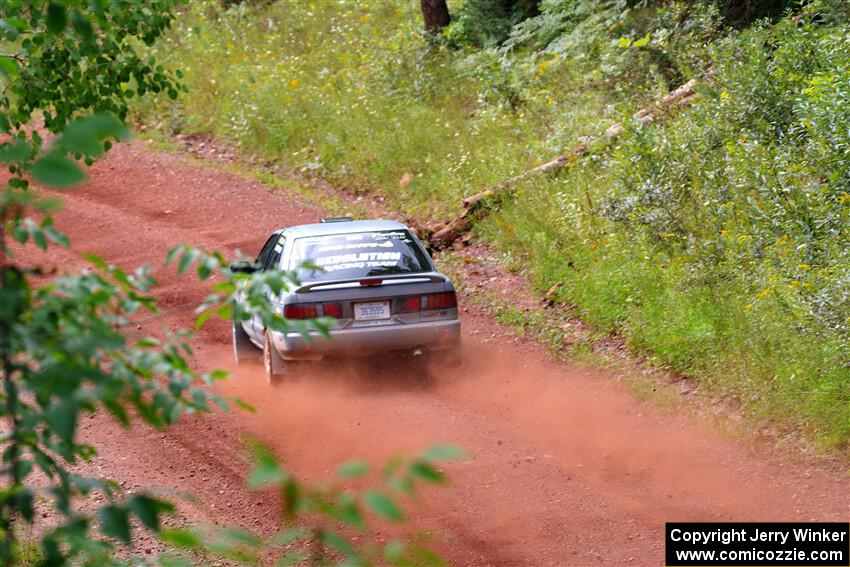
pixel 373 278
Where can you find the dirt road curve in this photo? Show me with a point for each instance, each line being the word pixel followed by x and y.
pixel 567 468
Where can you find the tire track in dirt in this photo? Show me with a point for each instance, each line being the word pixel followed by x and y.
pixel 566 467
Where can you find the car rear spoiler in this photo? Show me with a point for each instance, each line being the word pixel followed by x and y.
pixel 437 278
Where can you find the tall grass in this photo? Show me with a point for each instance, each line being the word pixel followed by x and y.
pixel 352 92
pixel 716 242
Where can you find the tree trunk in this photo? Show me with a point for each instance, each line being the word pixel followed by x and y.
pixel 436 15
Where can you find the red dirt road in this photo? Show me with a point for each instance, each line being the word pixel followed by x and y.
pixel 566 467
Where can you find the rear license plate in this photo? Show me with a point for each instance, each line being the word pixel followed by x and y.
pixel 372 311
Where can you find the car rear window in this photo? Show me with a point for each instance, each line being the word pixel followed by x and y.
pixel 358 255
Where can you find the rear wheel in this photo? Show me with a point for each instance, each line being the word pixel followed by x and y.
pixel 243 349
pixel 273 364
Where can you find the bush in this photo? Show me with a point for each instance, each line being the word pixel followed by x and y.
pixel 718 242
pixel 715 242
pixel 487 23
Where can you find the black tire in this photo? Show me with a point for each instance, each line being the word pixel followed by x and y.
pixel 273 364
pixel 243 349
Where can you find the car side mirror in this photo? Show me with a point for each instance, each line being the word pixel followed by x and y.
pixel 243 267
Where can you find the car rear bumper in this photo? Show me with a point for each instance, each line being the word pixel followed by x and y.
pixel 362 341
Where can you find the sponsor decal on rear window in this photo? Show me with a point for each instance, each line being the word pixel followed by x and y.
pixel 358 255
pixel 358 261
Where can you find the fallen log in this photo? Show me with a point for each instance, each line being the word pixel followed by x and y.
pixel 442 235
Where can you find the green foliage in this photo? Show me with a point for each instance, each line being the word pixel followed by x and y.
pixel 715 242
pixel 718 242
pixel 620 41
pixel 325 523
pixel 78 58
pixel 381 103
pixel 62 348
pixel 743 13
pixel 64 355
pixel 60 59
pixel 487 23
pixel 27 553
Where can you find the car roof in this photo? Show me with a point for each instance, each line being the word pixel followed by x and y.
pixel 342 227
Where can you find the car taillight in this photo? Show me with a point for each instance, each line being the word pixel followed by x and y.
pixel 332 310
pixel 447 300
pixel 300 311
pixel 311 310
pixel 375 281
pixel 411 304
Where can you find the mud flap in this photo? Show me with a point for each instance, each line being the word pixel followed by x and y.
pixel 243 349
pixel 273 363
